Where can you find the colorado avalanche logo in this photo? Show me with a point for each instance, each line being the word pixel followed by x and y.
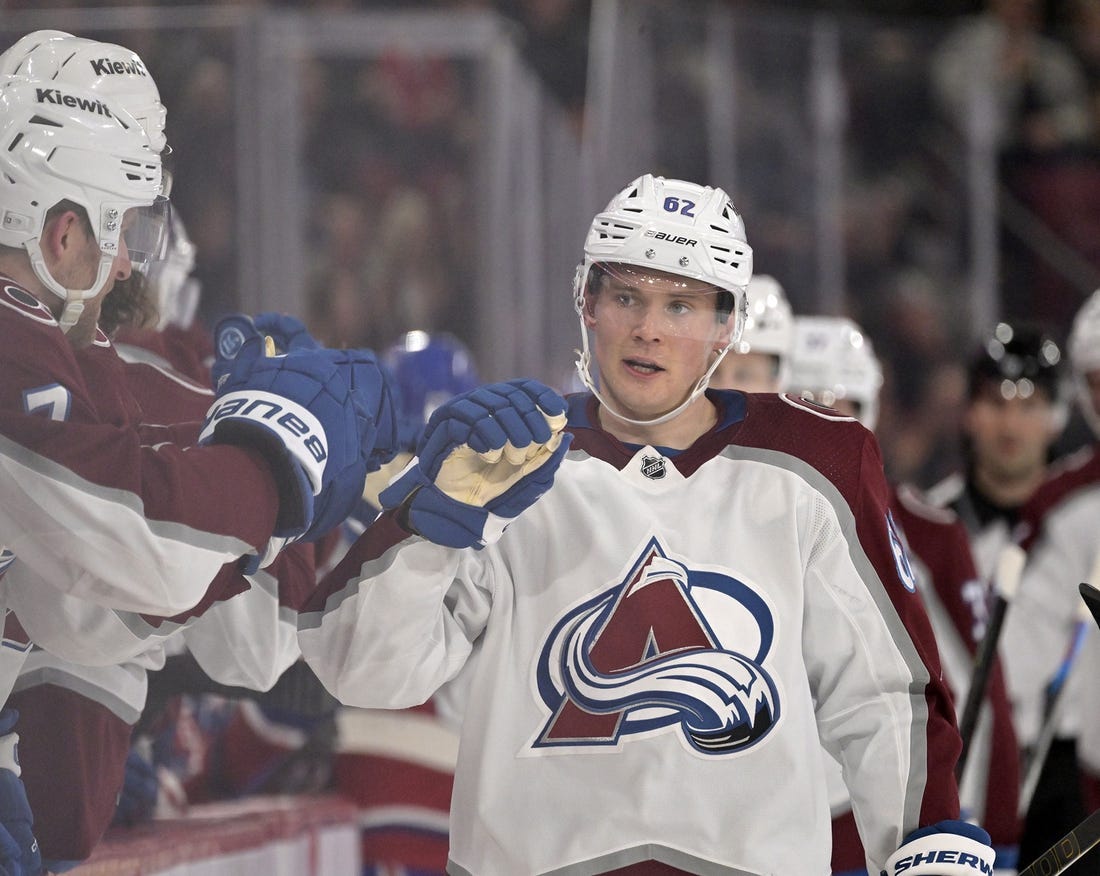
pixel 665 647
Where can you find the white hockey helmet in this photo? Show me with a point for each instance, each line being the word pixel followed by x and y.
pixel 1084 356
pixel 769 323
pixel 65 143
pixel 832 361
pixel 676 227
pixel 103 68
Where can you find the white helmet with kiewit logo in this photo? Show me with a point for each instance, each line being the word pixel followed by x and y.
pixel 63 143
pixel 678 228
pixel 106 69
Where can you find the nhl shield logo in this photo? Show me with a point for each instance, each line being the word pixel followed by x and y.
pixel 653 467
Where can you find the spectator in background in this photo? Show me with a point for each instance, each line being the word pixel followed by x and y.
pixel 924 395
pixel 1037 87
pixel 1083 36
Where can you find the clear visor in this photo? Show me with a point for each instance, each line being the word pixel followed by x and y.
pixel 656 303
pixel 145 233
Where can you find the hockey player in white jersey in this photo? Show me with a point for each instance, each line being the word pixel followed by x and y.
pixel 1058 529
pixel 668 624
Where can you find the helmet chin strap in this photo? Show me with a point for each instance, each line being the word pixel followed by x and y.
pixel 584 359
pixel 74 299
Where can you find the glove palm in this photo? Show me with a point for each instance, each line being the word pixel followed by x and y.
pixel 489 453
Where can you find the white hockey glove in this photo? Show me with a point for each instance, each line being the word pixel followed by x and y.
pixel 947 848
pixel 484 457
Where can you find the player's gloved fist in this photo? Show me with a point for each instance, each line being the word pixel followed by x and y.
pixel 947 848
pixel 484 457
pixel 15 812
pixel 287 332
pixel 299 410
pixel 370 390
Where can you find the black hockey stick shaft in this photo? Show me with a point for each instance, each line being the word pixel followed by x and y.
pixel 1010 565
pixel 1068 850
pixel 1052 713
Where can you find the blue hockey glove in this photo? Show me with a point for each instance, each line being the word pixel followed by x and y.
pixel 10 856
pixel 947 848
pixel 370 391
pixel 138 798
pixel 297 409
pixel 484 457
pixel 287 332
pixel 15 811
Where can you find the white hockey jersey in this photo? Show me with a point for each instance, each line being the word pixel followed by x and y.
pixel 1063 543
pixel 662 639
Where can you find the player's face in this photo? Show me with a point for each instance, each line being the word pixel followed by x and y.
pixel 1010 437
pixel 748 372
pixel 654 336
pixel 77 267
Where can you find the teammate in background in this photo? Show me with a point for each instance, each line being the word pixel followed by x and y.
pixel 1059 530
pixel 1014 415
pixel 834 363
pixel 177 340
pixel 669 618
pixel 761 360
pixel 428 369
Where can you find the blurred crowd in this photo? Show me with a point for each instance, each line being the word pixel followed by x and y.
pixel 391 169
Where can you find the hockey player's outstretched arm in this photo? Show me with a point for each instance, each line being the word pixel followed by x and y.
pixel 484 457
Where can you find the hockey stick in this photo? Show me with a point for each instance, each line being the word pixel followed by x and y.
pixel 1006 579
pixel 1052 710
pixel 1054 693
pixel 1069 849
